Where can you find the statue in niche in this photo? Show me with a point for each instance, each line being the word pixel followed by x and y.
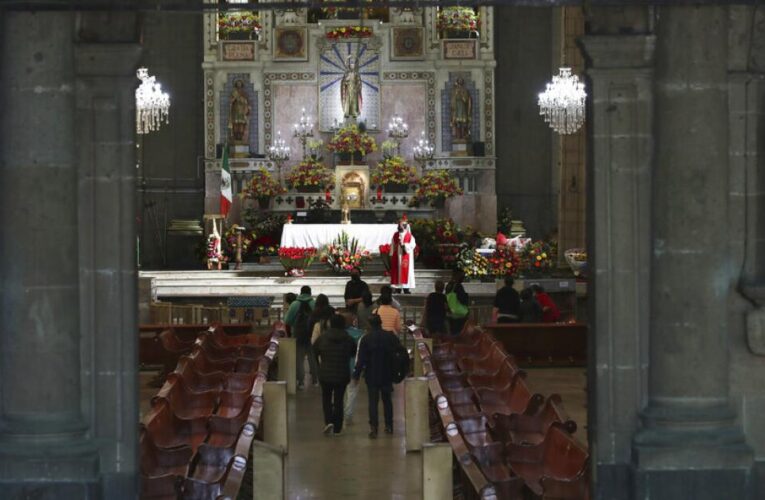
pixel 461 107
pixel 350 89
pixel 239 114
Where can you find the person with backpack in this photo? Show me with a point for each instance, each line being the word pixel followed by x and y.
pixel 297 318
pixel 458 301
pixel 334 350
pixel 381 358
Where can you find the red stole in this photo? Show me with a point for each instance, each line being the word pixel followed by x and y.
pixel 403 279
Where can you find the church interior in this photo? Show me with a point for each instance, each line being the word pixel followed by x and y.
pixel 552 213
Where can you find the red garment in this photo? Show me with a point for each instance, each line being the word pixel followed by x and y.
pixel 550 311
pixel 404 277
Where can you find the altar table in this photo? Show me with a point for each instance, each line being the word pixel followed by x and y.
pixel 370 236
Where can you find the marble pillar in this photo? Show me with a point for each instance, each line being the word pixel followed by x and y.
pixel 620 77
pixel 44 440
pixel 690 445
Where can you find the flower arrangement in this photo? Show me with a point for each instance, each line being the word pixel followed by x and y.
pixel 346 32
pixel 231 240
pixel 314 148
pixel 265 250
pixel 350 139
pixel 504 262
pixel 459 19
pixel 435 187
pixel 262 184
pixel 310 173
pixel 296 259
pixel 245 22
pixel 537 257
pixel 388 148
pixel 345 253
pixel 394 170
pixel 473 264
pixel 577 260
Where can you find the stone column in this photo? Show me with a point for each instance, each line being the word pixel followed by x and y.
pixel 42 430
pixel 690 444
pixel 618 182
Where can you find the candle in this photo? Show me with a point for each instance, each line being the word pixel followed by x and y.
pixel 328 196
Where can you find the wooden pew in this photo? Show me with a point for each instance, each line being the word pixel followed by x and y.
pixel 151 352
pixel 543 344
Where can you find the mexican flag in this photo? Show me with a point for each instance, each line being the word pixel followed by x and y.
pixel 226 195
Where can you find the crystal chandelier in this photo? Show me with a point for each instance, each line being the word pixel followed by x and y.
pixel 423 151
pixel 152 106
pixel 562 102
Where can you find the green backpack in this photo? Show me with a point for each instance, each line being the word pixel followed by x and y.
pixel 456 308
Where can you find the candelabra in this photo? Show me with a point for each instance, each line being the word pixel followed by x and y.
pixel 398 130
pixel 279 152
pixel 424 150
pixel 303 130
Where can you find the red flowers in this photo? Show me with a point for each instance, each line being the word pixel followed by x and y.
pixel 296 252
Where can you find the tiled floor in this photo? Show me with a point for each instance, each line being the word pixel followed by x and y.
pixel 350 465
pixel 354 466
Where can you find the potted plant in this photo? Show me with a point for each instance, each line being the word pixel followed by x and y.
pixel 458 22
pixel 435 187
pixel 310 176
pixel 238 25
pixel 351 144
pixel 394 175
pixel 262 187
pixel 296 259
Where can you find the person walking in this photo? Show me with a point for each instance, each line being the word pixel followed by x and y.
pixel 297 318
pixel 458 301
pixel 364 311
pixel 436 308
pixel 375 361
pixel 507 304
pixel 391 318
pixel 319 320
pixel 334 350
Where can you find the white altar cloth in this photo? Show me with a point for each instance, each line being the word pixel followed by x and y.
pixel 370 236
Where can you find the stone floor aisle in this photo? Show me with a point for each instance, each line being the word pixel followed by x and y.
pixel 351 465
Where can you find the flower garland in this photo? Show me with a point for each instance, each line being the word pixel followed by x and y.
pixel 310 172
pixel 462 19
pixel 350 139
pixel 262 184
pixel 238 22
pixel 345 253
pixel 436 185
pixel 393 170
pixel 347 32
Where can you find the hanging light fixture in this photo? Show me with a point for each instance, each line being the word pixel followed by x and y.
pixel 152 105
pixel 562 102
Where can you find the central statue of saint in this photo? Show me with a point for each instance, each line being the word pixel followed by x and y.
pixel 350 89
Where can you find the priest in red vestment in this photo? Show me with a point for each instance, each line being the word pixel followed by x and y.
pixel 402 258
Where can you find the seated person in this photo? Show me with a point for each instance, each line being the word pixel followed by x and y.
pixel 529 311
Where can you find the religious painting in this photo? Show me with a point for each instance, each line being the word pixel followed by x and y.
pixel 349 85
pixel 237 51
pixel 407 43
pixel 290 44
pixel 460 49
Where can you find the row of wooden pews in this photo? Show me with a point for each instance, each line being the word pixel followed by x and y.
pixel 196 439
pixel 521 443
